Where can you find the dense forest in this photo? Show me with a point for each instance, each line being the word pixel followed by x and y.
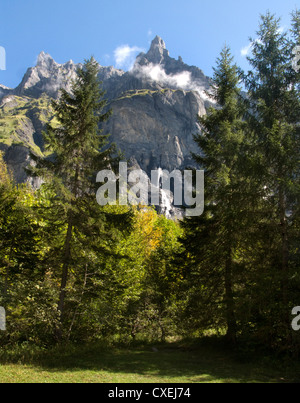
pixel 72 270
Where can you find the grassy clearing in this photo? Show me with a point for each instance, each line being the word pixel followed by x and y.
pixel 172 363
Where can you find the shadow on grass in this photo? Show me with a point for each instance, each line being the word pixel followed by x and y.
pixel 191 363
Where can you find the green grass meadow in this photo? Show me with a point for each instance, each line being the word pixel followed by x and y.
pixel 204 362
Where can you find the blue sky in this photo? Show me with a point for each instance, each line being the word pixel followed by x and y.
pixel 111 30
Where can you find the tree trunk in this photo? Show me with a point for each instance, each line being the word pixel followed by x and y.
pixel 65 270
pixel 284 257
pixel 79 302
pixel 229 300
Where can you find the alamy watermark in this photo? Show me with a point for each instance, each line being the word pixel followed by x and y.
pixel 2 58
pixel 296 59
pixel 2 318
pixel 296 320
pixel 136 188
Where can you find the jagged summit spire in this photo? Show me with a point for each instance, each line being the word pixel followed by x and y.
pixel 44 59
pixel 157 51
pixel 158 42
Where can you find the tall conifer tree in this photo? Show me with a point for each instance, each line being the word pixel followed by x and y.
pixel 212 240
pixel 274 119
pixel 78 151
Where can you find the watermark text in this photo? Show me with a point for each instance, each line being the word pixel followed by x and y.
pixel 135 188
pixel 296 320
pixel 2 58
pixel 296 59
pixel 2 318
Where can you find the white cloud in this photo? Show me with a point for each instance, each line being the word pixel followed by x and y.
pixel 182 80
pixel 125 56
pixel 156 73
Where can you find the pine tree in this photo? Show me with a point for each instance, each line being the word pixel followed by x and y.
pixel 295 30
pixel 78 150
pixel 212 240
pixel 274 120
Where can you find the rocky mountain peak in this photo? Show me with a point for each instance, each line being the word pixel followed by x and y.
pixel 44 60
pixel 158 42
pixel 157 52
pixel 47 76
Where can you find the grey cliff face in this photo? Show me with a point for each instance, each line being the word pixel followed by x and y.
pixel 4 91
pixel 156 127
pixel 155 107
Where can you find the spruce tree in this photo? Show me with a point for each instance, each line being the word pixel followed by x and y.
pixel 274 105
pixel 295 30
pixel 212 240
pixel 78 150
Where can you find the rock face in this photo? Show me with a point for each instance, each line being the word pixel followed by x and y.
pixel 155 128
pixel 46 77
pixel 4 90
pixel 155 107
pixel 158 65
pixel 17 157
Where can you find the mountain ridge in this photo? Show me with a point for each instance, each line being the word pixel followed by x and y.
pixel 49 76
pixel 155 107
